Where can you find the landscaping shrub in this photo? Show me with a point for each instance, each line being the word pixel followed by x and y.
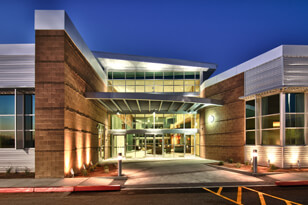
pixel 84 172
pixel 238 165
pixel 92 168
pixel 230 160
pixel 247 163
pixel 9 170
pixel 272 167
pixel 27 171
pixel 220 163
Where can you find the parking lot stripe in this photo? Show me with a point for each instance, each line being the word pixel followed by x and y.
pixel 275 197
pixel 239 195
pixel 220 195
pixel 219 190
pixel 262 201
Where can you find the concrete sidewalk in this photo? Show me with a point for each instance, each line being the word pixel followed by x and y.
pixel 162 173
pixel 55 182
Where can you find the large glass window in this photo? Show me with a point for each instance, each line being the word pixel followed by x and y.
pixel 295 119
pixel 29 120
pixel 7 104
pixel 7 121
pixel 295 102
pixel 157 82
pixel 270 105
pixel 250 122
pixel 271 120
pixel 154 121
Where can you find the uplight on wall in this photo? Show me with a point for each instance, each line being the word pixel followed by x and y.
pixel 276 124
pixel 211 118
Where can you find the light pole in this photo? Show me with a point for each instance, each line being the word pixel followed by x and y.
pixel 120 164
pixel 255 161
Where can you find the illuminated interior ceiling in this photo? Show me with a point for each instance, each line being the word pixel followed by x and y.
pixel 122 62
pixel 145 103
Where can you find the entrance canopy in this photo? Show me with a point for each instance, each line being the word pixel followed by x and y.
pixel 144 103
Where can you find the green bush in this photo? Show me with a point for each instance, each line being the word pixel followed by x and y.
pixel 230 160
pixel 9 170
pixel 220 163
pixel 238 165
pixel 92 168
pixel 84 172
pixel 272 167
pixel 27 171
pixel 247 163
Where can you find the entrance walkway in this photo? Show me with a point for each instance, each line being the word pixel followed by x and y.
pixel 166 173
pixel 179 172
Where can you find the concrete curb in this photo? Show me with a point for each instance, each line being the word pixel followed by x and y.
pixel 59 189
pixel 242 172
pixel 97 188
pixel 292 183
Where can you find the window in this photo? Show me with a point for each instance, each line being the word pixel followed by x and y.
pixel 154 82
pixel 270 105
pixel 295 119
pixel 7 121
pixel 29 120
pixel 250 122
pixel 271 120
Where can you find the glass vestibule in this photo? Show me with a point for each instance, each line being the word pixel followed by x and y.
pixel 169 145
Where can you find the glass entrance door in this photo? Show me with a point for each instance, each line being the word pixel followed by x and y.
pixel 168 145
pixel 118 145
pixel 159 144
pixel 178 145
pixel 150 147
pixel 140 145
pixel 189 145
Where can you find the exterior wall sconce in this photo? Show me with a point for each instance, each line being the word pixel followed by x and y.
pixel 211 118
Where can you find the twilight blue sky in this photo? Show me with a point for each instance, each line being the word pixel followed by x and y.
pixel 225 32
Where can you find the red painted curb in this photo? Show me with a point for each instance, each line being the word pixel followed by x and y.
pixel 59 189
pixel 16 190
pixel 97 188
pixel 291 183
pixel 54 189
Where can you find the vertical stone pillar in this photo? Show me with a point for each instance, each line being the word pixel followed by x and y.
pixel 49 103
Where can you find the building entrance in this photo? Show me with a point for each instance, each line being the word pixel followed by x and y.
pixel 168 145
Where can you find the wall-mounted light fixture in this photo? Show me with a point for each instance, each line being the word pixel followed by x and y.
pixel 211 118
pixel 276 124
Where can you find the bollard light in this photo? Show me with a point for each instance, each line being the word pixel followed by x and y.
pixel 72 172
pixel 255 161
pixel 298 164
pixel 120 164
pixel 268 163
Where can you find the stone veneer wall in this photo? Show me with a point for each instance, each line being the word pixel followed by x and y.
pixel 224 138
pixel 66 123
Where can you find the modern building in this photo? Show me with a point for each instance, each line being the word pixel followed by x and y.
pixel 63 106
